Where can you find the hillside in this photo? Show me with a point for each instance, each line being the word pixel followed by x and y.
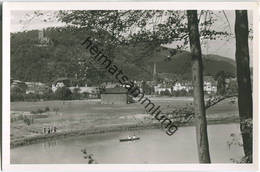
pixel 178 64
pixel 30 62
pixel 181 64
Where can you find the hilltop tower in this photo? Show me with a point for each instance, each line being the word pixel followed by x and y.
pixel 43 40
pixel 40 35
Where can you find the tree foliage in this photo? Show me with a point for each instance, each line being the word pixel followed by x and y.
pixel 126 26
pixel 66 58
pixel 221 77
pixel 63 93
pixel 124 31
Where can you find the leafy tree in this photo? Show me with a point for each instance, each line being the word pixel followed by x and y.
pixel 76 94
pixel 221 77
pixel 232 88
pixel 48 94
pixel 63 93
pixel 146 88
pixel 17 96
pixel 151 27
pixel 166 92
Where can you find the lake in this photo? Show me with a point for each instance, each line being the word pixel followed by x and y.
pixel 154 147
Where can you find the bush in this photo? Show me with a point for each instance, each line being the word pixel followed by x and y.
pixel 232 88
pixel 76 94
pixel 85 95
pixel 48 95
pixel 63 93
pixel 47 109
pixel 31 97
pixel 182 93
pixel 28 120
pixel 167 93
pixel 56 110
pixel 16 96
pixel 130 99
pixel 37 97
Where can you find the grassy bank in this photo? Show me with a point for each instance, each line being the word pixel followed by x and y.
pixel 99 130
pixel 82 118
pixel 96 130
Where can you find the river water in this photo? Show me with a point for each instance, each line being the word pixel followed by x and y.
pixel 154 147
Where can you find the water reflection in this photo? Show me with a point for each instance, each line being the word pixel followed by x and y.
pixel 154 147
pixel 49 144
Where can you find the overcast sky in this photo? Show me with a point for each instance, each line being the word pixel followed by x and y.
pixel 26 20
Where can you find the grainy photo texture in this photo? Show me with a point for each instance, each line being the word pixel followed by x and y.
pixel 131 86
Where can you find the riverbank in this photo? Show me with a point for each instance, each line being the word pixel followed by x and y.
pixel 98 130
pixel 72 118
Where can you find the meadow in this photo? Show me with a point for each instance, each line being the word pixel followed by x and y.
pixel 86 115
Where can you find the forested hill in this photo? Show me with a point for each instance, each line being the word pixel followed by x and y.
pixel 30 62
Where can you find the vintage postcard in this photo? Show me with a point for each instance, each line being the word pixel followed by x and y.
pixel 130 86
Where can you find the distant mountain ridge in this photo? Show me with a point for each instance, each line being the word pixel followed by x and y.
pixel 45 64
pixel 181 64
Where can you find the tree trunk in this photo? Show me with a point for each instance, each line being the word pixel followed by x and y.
pixel 198 93
pixel 243 80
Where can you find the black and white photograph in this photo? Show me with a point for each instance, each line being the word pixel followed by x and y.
pixel 130 85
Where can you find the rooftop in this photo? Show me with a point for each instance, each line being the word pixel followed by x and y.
pixel 117 90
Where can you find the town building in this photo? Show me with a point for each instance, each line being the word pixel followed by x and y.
pixel 36 88
pixel 210 87
pixel 91 92
pixel 161 88
pixel 180 86
pixel 116 95
pixel 109 85
pixel 59 83
pixel 18 86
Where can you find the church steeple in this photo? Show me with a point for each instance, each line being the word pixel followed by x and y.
pixel 154 73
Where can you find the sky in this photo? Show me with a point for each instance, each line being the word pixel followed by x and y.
pixel 28 20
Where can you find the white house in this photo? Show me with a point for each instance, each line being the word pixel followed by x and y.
pixel 86 89
pixel 210 87
pixel 59 83
pixel 160 87
pixel 178 86
pixel 35 87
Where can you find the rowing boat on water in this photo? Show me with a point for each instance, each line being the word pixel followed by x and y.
pixel 129 139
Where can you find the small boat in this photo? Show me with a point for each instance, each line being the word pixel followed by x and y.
pixel 129 139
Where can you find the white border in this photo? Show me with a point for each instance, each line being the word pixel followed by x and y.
pixel 8 6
